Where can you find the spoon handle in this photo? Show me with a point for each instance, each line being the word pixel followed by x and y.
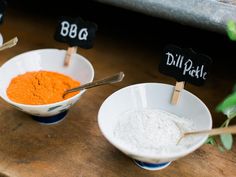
pixel 108 80
pixel 215 131
pixel 9 44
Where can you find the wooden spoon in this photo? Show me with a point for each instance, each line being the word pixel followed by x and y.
pixel 214 131
pixel 108 80
pixel 9 44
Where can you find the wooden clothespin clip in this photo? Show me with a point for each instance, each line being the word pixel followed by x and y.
pixel 176 93
pixel 69 52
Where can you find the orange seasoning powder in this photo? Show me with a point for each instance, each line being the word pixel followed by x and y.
pixel 40 87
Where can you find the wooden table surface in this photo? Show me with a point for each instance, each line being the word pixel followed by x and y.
pixel 75 147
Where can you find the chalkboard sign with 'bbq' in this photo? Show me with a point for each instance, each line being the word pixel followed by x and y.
pixel 76 32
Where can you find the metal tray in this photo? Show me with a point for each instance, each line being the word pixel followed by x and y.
pixel 208 14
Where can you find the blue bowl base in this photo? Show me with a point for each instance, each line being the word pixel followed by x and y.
pixel 151 166
pixel 51 119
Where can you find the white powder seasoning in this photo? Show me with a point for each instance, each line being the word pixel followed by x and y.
pixel 152 131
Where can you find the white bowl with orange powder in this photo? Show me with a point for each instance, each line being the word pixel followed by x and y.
pixel 34 81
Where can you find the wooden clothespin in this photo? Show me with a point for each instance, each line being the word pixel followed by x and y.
pixel 176 93
pixel 69 52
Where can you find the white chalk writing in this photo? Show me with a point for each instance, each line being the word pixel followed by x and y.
pixel 72 31
pixel 186 65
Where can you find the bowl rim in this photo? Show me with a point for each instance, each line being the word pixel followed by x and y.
pixel 50 104
pixel 153 156
pixel 1 39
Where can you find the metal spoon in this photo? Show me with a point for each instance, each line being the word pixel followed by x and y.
pixel 108 80
pixel 214 131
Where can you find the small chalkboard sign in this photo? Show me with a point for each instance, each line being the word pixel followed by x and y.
pixel 3 5
pixel 76 32
pixel 185 65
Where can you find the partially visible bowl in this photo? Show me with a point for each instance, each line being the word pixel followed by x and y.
pixel 1 39
pixel 152 96
pixel 79 69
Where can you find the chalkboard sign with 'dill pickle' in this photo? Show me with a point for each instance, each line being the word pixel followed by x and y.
pixel 185 65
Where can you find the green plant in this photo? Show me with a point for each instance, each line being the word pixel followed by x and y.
pixel 228 105
pixel 231 30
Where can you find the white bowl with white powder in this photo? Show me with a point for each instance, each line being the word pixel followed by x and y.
pixel 140 121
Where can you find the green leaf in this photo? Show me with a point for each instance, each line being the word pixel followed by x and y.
pixel 227 140
pixel 228 106
pixel 231 113
pixel 211 140
pixel 231 30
